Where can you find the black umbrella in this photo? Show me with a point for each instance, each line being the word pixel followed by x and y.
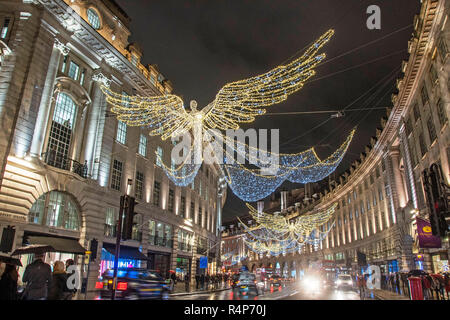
pixel 417 273
pixel 34 248
pixel 10 260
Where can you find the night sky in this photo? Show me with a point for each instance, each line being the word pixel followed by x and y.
pixel 202 45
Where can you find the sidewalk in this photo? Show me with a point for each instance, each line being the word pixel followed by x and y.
pixel 387 295
pixel 180 289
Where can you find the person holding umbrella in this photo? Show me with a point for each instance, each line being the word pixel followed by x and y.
pixel 8 283
pixel 38 276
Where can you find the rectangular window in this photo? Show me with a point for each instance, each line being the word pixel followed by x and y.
pixel 116 178
pixel 416 112
pixel 159 156
pixel 192 212
pixel 424 94
pixel 412 151
pixel 423 147
pixel 200 216
pixel 121 136
pixel 5 27
pixel 73 70
pixel 433 74
pixel 82 76
pixel 408 127
pixel 139 185
pixel 431 129
pixel 156 193
pixel 152 232
pixel 442 47
pixel 182 211
pixel 171 200
pixel 441 113
pixel 110 222
pixel 142 150
pixel 63 67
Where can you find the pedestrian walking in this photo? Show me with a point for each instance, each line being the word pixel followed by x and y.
pixel 361 282
pixel 187 279
pixel 38 277
pixel 197 281
pixel 8 283
pixel 207 279
pixel 58 288
pixel 397 282
pixel 202 281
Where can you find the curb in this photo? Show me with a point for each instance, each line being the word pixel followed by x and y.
pixel 196 292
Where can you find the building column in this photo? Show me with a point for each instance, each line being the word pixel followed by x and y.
pixel 392 196
pixel 408 168
pixel 173 257
pixel 399 190
pixel 96 119
pixel 47 94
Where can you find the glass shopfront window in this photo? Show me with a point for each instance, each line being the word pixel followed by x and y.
pixel 160 262
pixel 107 262
pixel 183 267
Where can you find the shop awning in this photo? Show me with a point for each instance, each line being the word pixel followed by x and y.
pixel 126 252
pixel 50 244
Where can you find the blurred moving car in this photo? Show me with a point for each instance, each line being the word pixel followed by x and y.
pixel 133 284
pixel 247 283
pixel 275 280
pixel 344 281
pixel 234 280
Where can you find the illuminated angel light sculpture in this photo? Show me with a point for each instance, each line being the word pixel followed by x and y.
pixel 275 234
pixel 237 102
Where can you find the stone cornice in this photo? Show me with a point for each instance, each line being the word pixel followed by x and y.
pixel 100 47
pixel 418 48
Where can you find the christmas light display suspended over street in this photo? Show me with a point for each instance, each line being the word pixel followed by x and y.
pixel 237 102
pixel 275 234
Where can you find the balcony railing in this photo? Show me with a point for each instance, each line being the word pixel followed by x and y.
pixel 61 161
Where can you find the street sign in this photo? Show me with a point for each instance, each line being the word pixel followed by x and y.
pixel 203 262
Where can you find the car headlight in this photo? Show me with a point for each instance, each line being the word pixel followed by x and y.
pixel 312 283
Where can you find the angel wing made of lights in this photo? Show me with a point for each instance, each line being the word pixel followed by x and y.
pixel 235 103
pixel 302 225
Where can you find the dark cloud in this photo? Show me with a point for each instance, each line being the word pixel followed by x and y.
pixel 202 45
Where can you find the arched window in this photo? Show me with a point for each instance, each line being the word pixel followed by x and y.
pixel 93 18
pixel 55 209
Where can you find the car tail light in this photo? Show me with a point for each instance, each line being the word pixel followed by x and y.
pixel 122 286
pixel 99 285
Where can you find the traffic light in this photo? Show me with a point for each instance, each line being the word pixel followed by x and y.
pixel 93 248
pixel 128 208
pixel 435 190
pixel 362 259
pixel 7 239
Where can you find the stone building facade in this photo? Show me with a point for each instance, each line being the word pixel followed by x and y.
pixel 65 159
pixel 380 196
